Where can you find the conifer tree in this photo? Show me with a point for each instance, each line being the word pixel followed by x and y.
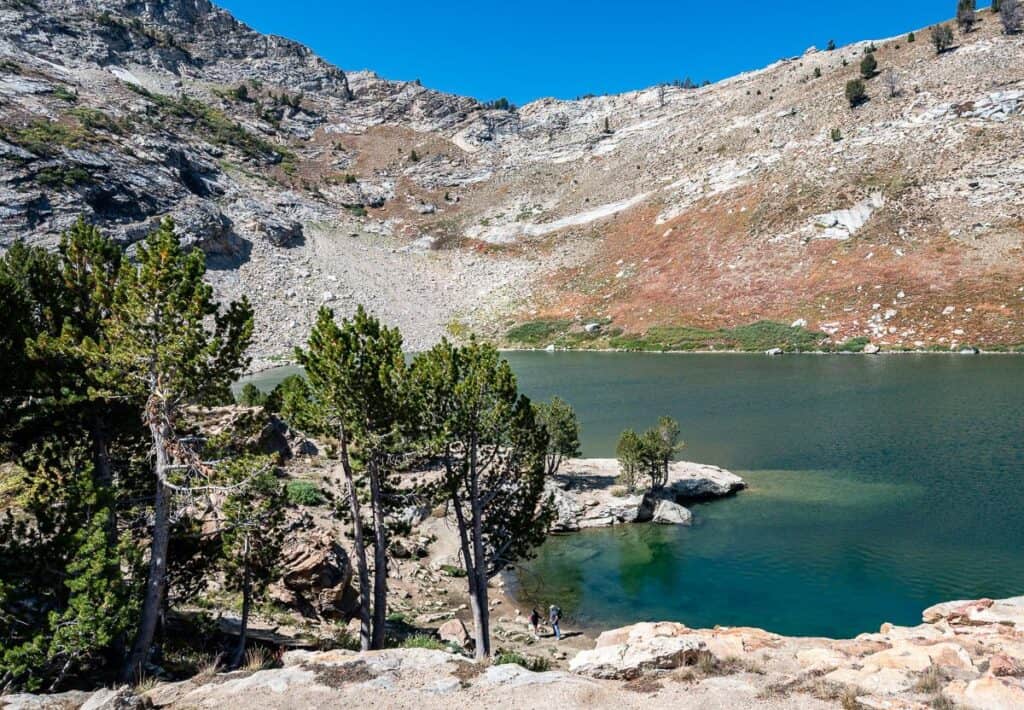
pixel 493 453
pixel 559 422
pixel 358 381
pixel 252 534
pixel 161 350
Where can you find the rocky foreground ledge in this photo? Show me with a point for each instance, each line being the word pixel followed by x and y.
pixel 964 654
pixel 587 495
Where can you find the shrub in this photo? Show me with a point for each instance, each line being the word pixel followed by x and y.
pixel 868 66
pixel 251 396
pixel 536 332
pixel 831 46
pixel 537 665
pixel 965 16
pixel 817 72
pixel 304 493
pixel 65 94
pixel 854 345
pixel 911 37
pixel 424 641
pixel 453 571
pixel 837 135
pixel 942 38
pixel 856 92
pixel 414 156
pixel 1011 15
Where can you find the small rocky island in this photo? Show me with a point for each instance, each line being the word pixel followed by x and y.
pixel 587 494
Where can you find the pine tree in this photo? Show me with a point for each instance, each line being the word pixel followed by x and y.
pixel 493 452
pixel 629 451
pixel 65 440
pixel 161 350
pixel 563 431
pixel 966 16
pixel 868 66
pixel 252 534
pixel 358 380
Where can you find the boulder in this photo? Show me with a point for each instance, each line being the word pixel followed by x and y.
pixel 630 509
pixel 668 513
pixel 987 693
pixel 454 631
pixel 116 699
pixel 317 576
pixel 630 651
pixel 871 349
pixel 567 510
pixel 279 231
pixel 689 481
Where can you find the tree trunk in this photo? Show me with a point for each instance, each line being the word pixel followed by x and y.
pixel 359 545
pixel 481 625
pixel 380 560
pixel 243 632
pixel 481 612
pixel 156 583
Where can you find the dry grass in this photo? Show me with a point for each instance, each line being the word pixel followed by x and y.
pixel 930 681
pixel 646 685
pixel 257 659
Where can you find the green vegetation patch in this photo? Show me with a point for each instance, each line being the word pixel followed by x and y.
pixel 537 665
pixel 63 176
pixel 537 332
pixel 215 125
pixel 854 345
pixel 424 641
pixel 44 137
pixel 304 493
pixel 755 337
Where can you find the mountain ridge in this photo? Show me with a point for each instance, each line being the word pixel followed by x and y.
pixel 762 197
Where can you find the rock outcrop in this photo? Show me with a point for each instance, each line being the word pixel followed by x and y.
pixel 631 651
pixel 586 494
pixel 317 578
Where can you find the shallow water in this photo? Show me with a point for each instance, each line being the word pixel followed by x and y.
pixel 878 486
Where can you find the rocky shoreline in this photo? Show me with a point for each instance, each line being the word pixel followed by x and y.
pixel 963 654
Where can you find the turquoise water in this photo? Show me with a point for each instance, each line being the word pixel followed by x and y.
pixel 878 486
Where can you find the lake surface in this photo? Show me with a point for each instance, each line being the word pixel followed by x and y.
pixel 878 486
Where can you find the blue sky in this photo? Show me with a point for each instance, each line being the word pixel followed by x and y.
pixel 529 49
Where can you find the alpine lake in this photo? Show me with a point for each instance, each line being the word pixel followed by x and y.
pixel 877 487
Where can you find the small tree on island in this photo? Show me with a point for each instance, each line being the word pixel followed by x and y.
pixel 563 431
pixel 493 455
pixel 648 455
pixel 629 452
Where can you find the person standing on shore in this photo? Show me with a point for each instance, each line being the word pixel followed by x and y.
pixel 535 622
pixel 555 617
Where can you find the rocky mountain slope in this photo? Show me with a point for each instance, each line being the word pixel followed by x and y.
pixel 668 213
